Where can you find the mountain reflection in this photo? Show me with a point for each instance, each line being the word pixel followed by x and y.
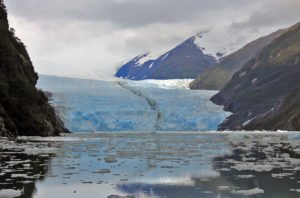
pixel 22 164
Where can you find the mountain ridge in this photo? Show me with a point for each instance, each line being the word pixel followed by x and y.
pixel 216 77
pixel 186 60
pixel 261 95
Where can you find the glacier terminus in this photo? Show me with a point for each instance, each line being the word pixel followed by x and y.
pixel 123 105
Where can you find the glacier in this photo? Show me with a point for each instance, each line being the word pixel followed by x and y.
pixel 124 105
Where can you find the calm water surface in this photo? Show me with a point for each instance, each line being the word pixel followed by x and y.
pixel 156 165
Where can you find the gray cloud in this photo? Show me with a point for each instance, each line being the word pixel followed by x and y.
pixel 81 37
pixel 272 13
pixel 124 13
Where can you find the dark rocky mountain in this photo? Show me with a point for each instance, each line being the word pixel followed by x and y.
pixel 264 94
pixel 285 117
pixel 216 77
pixel 187 60
pixel 24 110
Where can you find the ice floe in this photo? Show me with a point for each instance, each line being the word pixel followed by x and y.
pixel 250 192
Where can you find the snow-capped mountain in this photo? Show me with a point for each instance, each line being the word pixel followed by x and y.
pixel 186 60
pixel 148 105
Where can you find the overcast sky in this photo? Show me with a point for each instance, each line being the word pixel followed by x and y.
pixel 91 38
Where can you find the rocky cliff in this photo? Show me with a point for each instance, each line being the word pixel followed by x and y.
pixel 264 94
pixel 24 110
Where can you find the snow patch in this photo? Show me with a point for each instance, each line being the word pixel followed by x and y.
pixel 151 65
pixel 165 57
pixel 147 57
pixel 248 121
pixel 242 74
pixel 254 81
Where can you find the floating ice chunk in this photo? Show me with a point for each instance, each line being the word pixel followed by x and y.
pixel 224 169
pixel 281 175
pixel 18 175
pixel 253 167
pixel 48 139
pixel 251 192
pixel 208 192
pixel 224 188
pixel 12 163
pixel 245 159
pixel 282 131
pixel 291 160
pixel 245 176
pixel 10 193
pixel 297 151
pixel 25 182
pixel 117 196
pixel 37 151
pixel 295 190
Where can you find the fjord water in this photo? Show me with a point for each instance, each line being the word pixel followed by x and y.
pixel 160 156
pixel 144 165
pixel 120 105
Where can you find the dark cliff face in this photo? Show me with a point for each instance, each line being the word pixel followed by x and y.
pixel 264 94
pixel 217 76
pixel 24 110
pixel 186 60
pixel 285 117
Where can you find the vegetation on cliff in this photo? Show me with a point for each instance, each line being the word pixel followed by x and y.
pixel 24 110
pixel 216 77
pixel 264 94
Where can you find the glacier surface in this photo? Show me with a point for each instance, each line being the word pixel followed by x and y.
pixel 121 105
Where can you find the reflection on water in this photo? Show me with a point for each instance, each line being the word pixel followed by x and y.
pixel 21 165
pixel 163 165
